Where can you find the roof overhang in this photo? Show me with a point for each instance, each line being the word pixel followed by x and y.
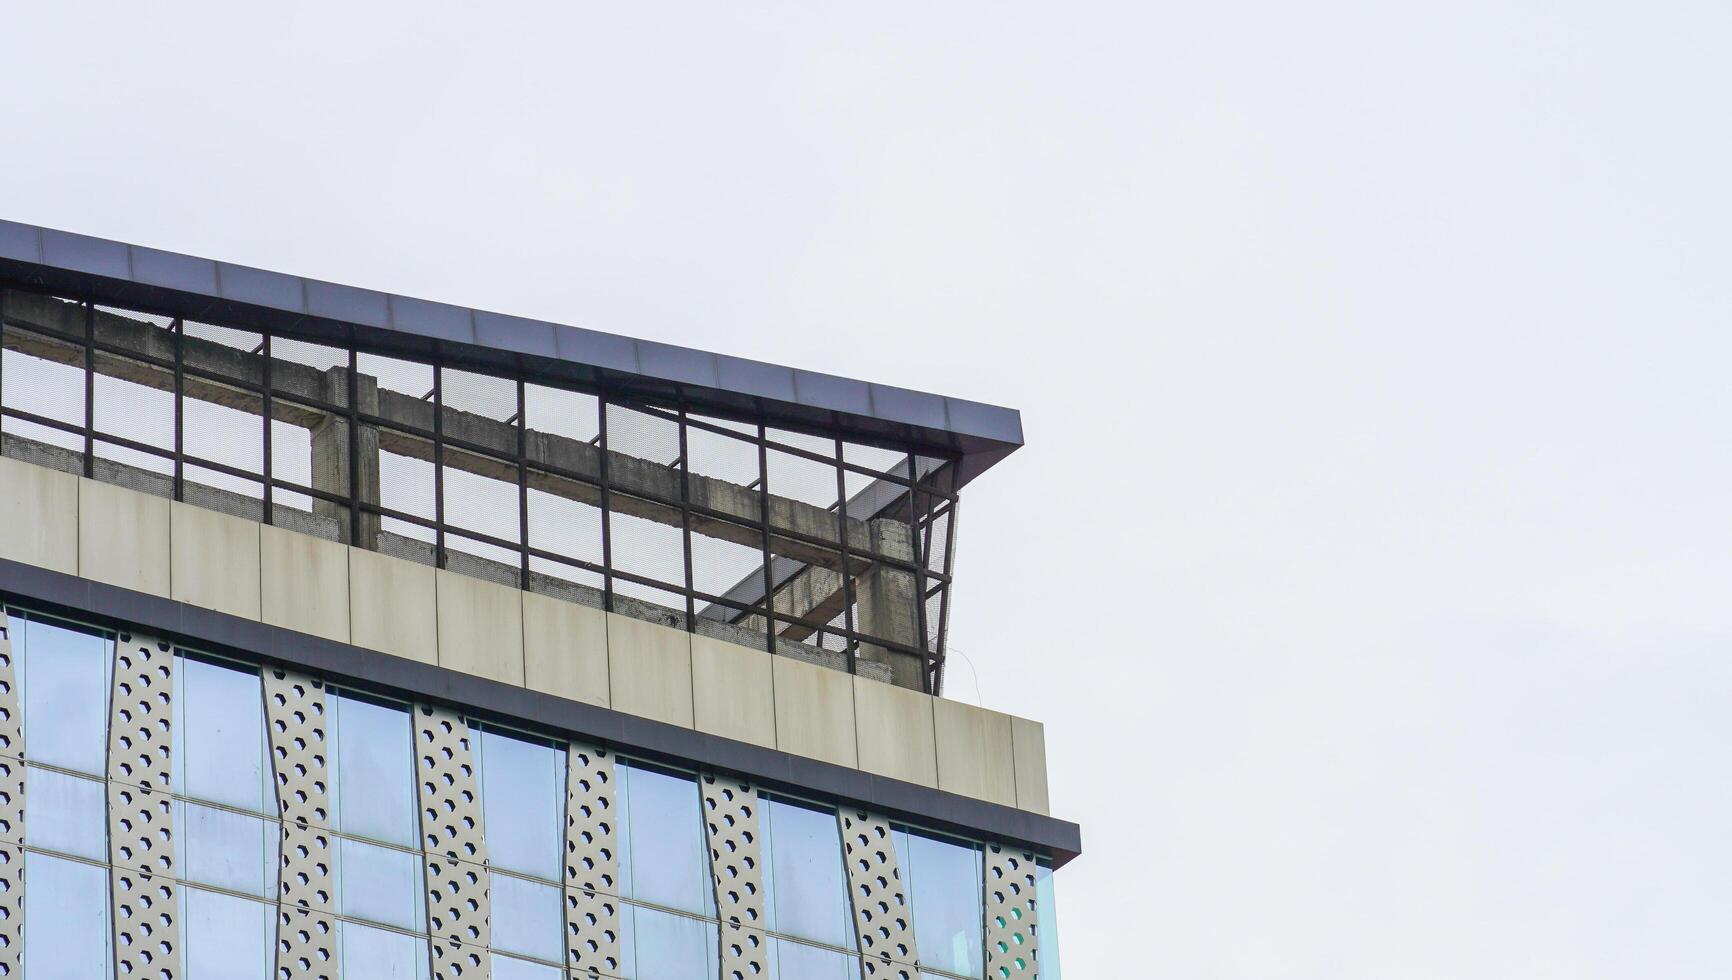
pixel 119 274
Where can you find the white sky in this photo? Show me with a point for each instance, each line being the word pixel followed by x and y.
pixel 1368 559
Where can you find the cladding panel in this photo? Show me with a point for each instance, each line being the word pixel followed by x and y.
pixel 882 918
pixel 1012 914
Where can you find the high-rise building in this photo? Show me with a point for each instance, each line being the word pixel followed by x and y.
pixel 353 635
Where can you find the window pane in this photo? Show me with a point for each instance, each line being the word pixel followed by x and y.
pixel 803 874
pixel 1046 904
pixel 664 858
pixel 65 920
pixel 798 961
pixel 945 883
pixel 221 737
pixel 65 683
pixel 227 849
pixel 376 954
pixel 226 938
pixel 523 801
pixel 528 917
pixel 663 946
pixel 380 884
pixel 375 778
pixel 507 968
pixel 65 813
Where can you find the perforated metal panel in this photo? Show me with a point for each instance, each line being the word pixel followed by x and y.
pixel 11 766
pixel 459 910
pixel 11 910
pixel 308 856
pixel 146 917
pixel 11 719
pixel 736 868
pixel 450 798
pixel 458 906
pixel 306 945
pixel 454 961
pixel 591 851
pixel 881 914
pixel 140 730
pixel 592 933
pixel 295 717
pixel 141 843
pixel 1012 915
pixel 591 862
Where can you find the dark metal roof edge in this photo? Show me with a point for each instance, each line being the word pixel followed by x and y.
pixel 215 632
pixel 192 287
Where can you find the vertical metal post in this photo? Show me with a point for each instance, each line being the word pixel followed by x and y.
pixel 265 374
pixel 686 523
pixel 764 517
pixel 89 390
pixel 522 485
pixel 848 638
pixel 355 444
pixel 179 334
pixel 606 506
pixel 926 679
pixel 438 467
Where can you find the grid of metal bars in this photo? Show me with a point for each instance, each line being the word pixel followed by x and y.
pixel 842 588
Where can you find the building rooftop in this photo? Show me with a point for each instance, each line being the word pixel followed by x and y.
pixel 199 288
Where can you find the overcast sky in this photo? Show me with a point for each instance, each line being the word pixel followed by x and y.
pixel 1368 559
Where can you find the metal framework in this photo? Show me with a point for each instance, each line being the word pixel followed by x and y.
pixel 854 565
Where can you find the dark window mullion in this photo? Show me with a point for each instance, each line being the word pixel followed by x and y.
pixel 926 678
pixel 686 522
pixel 438 467
pixel 606 512
pixel 179 334
pixel 764 515
pixel 853 647
pixel 523 482
pixel 265 374
pixel 89 391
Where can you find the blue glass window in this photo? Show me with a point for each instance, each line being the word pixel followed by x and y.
pixel 227 849
pixel 657 945
pixel 377 954
pixel 523 804
pixel 64 677
pixel 380 884
pixel 528 917
pixel 65 813
pixel 511 968
pixel 227 938
pixel 65 920
pixel 663 858
pixel 798 961
pixel 945 883
pixel 374 783
pixel 220 734
pixel 803 874
pixel 1047 904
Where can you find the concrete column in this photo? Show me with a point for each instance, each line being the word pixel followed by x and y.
pixel 887 605
pixel 331 456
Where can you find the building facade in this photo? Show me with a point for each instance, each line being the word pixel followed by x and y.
pixel 351 635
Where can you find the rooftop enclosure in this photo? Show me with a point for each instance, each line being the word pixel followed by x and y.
pixel 820 532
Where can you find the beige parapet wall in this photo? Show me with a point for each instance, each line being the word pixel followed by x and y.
pixel 232 565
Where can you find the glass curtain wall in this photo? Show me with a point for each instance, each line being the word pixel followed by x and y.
pixel 227 837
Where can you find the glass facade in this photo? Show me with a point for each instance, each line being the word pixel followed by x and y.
pixel 641 503
pixel 228 833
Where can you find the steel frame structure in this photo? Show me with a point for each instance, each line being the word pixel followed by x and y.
pixel 924 488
